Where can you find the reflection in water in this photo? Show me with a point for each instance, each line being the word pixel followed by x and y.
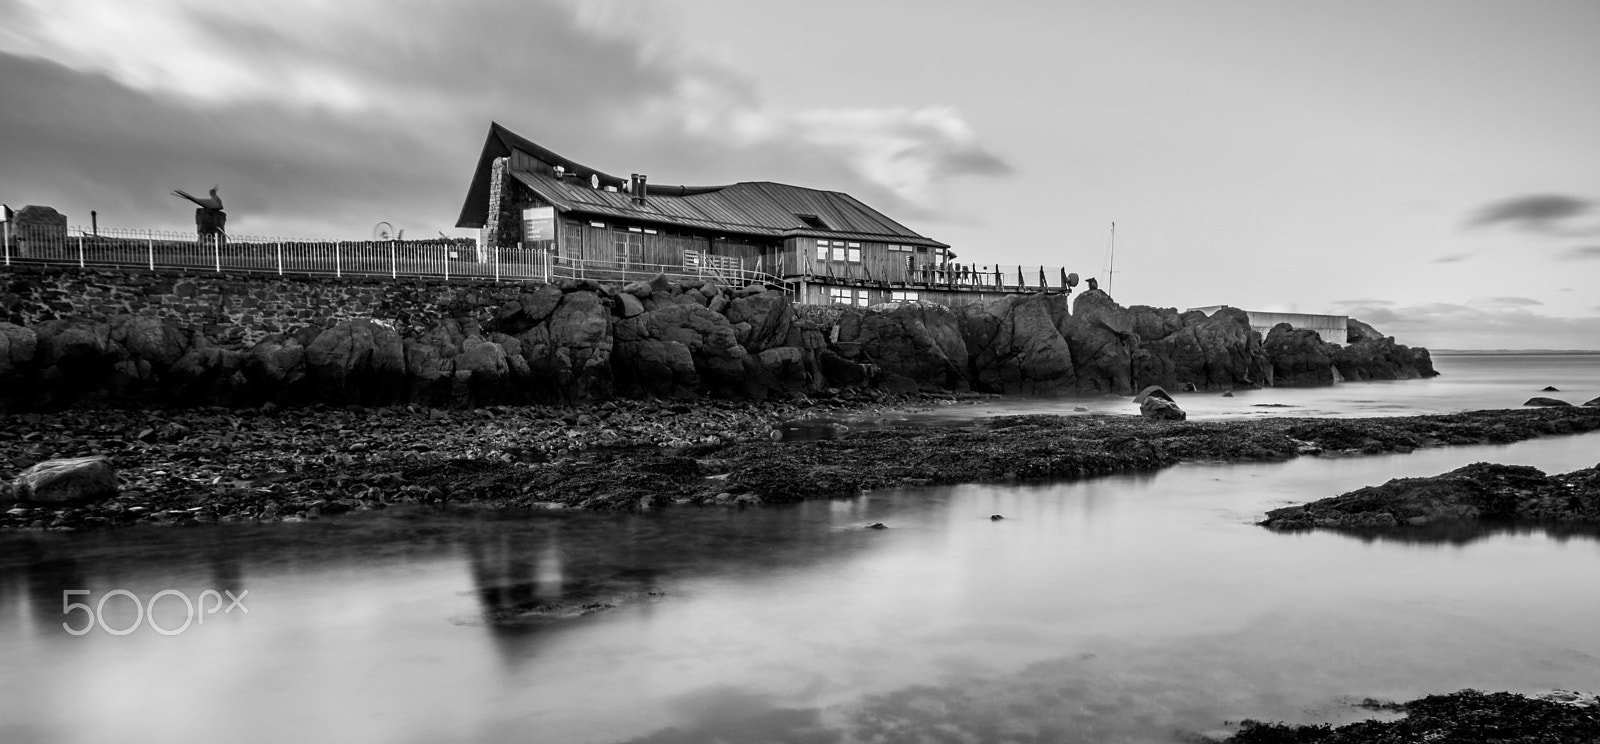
pixel 1135 608
pixel 1464 533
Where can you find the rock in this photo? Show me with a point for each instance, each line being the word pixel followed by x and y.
pixel 1161 410
pixel 1100 336
pixel 639 290
pixel 1546 402
pixel 17 348
pixel 358 361
pixel 630 304
pixel 1481 491
pixel 1215 352
pixel 1381 359
pixel 69 481
pixel 1299 357
pixel 919 343
pixel 1228 394
pixel 1550 389
pixel 1015 345
pixel 1594 402
pixel 569 355
pixel 1357 331
pixel 679 351
pixel 995 517
pixel 768 315
pixel 877 526
pixel 1152 391
pixel 148 339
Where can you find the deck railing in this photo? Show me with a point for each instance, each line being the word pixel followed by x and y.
pixel 441 259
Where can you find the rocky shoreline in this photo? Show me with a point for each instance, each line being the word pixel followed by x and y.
pixel 1464 716
pixel 1480 492
pixel 221 465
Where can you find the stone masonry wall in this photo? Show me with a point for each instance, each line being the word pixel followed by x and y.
pixel 236 311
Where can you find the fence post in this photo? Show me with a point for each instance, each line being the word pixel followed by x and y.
pixel 150 248
pixel 447 249
pixel 5 239
pixel 80 248
pixel 394 269
pixel 338 270
pixel 280 258
pixel 497 263
pixel 216 252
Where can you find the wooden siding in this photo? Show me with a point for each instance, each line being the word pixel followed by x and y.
pixel 580 239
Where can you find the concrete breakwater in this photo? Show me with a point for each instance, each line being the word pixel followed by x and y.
pixel 98 337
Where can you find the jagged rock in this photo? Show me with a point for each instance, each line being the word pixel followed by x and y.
pixel 1153 391
pixel 768 316
pixel 679 351
pixel 485 364
pixel 630 304
pixel 1542 401
pixel 358 361
pixel 1014 346
pixel 1550 389
pixel 1161 409
pixel 528 310
pixel 1099 333
pixel 148 339
pixel 18 345
pixel 640 290
pixel 1357 331
pixel 1381 359
pixel 1299 357
pixel 1595 402
pixel 276 368
pixel 1481 491
pixel 1155 323
pixel 74 480
pixel 1218 352
pixel 917 343
pixel 569 355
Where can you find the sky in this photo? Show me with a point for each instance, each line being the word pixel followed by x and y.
pixel 1430 166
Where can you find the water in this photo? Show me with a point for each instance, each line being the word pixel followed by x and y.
pixel 1469 382
pixel 1132 608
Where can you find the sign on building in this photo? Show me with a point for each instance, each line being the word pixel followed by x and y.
pixel 538 223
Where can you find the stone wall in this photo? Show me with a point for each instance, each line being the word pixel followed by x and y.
pixel 237 311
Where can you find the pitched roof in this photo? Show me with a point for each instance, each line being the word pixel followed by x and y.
pixel 759 208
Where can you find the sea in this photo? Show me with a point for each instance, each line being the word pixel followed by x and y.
pixel 1134 608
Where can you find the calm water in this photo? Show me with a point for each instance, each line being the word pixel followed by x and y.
pixel 1467 382
pixel 1121 609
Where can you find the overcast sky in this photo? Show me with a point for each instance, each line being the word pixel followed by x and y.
pixel 1432 167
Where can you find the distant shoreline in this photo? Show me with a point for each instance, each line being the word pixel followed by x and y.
pixel 1508 352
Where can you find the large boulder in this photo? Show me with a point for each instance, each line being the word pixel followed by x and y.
pixel 1546 402
pixel 276 369
pixel 148 339
pixel 528 310
pixel 1161 409
pixel 761 320
pixel 74 480
pixel 1381 359
pixel 918 342
pixel 1299 357
pixel 1100 335
pixel 1357 331
pixel 488 371
pixel 679 350
pixel 1015 347
pixel 18 345
pixel 358 361
pixel 569 355
pixel 1218 352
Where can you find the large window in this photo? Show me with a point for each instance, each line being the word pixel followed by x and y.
pixel 898 296
pixel 838 250
pixel 629 246
pixel 848 296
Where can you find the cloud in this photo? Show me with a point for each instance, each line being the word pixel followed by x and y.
pixel 1535 212
pixel 1452 258
pixel 376 112
pixel 1508 301
pixel 1582 253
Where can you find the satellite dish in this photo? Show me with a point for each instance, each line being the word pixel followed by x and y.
pixel 383 231
pixel 594 181
pixel 1072 279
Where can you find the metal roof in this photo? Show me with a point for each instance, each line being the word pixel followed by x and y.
pixel 760 208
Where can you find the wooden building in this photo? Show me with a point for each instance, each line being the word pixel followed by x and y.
pixel 825 246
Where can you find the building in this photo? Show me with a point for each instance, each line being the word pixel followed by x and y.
pixel 824 246
pixel 1333 329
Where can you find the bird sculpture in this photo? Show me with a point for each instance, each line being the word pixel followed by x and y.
pixel 210 202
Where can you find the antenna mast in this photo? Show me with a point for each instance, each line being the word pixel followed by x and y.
pixel 1111 273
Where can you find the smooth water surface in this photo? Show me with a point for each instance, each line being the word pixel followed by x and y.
pixel 1137 608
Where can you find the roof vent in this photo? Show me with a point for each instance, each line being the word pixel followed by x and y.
pixel 812 221
pixel 639 188
pixel 561 170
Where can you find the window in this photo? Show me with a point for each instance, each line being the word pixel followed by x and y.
pixel 838 250
pixel 853 254
pixel 600 225
pixel 822 250
pixel 811 221
pixel 904 296
pixel 629 247
pixel 847 296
